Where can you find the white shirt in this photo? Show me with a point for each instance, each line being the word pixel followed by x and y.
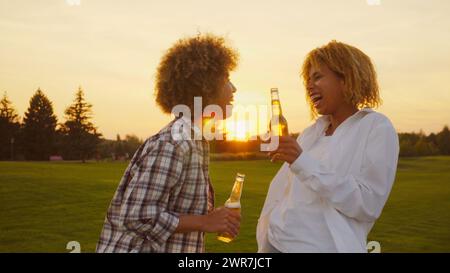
pixel 353 182
pixel 299 223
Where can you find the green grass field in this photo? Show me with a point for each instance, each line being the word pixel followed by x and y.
pixel 45 205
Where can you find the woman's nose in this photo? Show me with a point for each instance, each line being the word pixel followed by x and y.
pixel 233 87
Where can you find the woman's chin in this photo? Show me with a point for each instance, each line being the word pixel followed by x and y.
pixel 322 111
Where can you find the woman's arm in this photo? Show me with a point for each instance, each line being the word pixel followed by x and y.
pixel 219 220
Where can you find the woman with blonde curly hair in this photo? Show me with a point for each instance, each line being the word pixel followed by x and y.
pixel 165 200
pixel 338 174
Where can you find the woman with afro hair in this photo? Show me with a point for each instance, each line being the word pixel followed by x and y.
pixel 165 200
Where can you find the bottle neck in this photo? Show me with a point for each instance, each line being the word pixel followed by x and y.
pixel 276 108
pixel 236 192
pixel 274 94
pixel 276 105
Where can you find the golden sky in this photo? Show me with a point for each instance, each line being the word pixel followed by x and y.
pixel 112 49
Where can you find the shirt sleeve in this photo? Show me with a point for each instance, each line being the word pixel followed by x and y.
pixel 147 199
pixel 361 196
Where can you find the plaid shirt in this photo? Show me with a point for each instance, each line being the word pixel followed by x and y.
pixel 166 177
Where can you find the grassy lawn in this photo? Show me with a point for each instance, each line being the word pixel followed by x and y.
pixel 45 205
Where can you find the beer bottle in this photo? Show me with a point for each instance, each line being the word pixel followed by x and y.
pixel 234 203
pixel 280 129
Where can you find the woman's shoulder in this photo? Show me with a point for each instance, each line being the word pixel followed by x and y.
pixel 167 140
pixel 377 119
pixel 378 124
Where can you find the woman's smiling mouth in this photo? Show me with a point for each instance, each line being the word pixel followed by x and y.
pixel 316 99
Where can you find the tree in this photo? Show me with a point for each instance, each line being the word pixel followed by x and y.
pixel 424 148
pixel 106 148
pixel 131 144
pixel 443 141
pixel 406 147
pixel 9 128
pixel 119 149
pixel 39 128
pixel 7 111
pixel 80 135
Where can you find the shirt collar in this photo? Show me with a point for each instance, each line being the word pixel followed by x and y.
pixel 189 126
pixel 324 120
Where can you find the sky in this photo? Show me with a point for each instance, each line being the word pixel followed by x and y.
pixel 112 48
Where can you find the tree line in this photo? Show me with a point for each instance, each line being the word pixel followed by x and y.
pixel 420 144
pixel 39 136
pixel 411 144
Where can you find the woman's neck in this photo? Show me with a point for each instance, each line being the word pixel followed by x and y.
pixel 340 116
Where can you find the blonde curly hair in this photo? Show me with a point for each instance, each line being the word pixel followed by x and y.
pixel 196 66
pixel 352 65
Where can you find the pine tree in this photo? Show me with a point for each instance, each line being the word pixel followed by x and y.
pixel 81 137
pixel 9 128
pixel 7 111
pixel 39 128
